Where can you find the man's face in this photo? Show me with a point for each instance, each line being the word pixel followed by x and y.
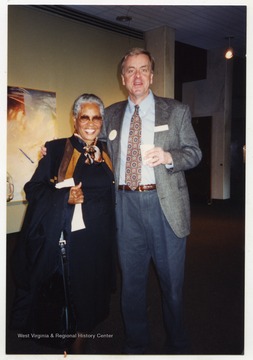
pixel 89 122
pixel 137 76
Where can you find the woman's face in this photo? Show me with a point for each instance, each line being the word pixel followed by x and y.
pixel 89 122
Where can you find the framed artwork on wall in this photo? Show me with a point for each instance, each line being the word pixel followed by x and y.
pixel 31 121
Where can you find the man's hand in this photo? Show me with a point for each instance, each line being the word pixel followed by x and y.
pixel 43 151
pixel 157 156
pixel 76 195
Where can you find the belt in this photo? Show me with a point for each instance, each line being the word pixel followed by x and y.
pixel 140 188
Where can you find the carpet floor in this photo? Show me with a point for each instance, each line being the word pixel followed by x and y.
pixel 213 293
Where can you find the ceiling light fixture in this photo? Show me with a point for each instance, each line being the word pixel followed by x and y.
pixel 229 53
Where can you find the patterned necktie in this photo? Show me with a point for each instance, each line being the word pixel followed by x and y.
pixel 133 159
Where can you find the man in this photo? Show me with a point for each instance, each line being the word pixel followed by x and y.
pixel 153 217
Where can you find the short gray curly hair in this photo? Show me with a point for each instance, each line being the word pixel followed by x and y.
pixel 84 99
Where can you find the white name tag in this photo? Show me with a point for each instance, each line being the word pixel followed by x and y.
pixel 161 128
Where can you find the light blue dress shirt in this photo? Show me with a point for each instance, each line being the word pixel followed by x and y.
pixel 147 114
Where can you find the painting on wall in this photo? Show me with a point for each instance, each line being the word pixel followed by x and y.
pixel 31 121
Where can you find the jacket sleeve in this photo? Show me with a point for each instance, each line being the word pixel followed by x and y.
pixel 186 154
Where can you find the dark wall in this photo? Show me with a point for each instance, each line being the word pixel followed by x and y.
pixel 191 65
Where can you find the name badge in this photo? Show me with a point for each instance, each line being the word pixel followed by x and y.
pixel 161 128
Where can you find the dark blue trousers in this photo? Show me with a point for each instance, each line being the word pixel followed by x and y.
pixel 144 233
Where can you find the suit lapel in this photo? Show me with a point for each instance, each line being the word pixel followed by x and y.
pixel 114 135
pixel 116 125
pixel 162 115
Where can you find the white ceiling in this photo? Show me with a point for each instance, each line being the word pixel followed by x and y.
pixel 203 26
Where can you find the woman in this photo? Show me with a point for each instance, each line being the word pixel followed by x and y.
pixel 76 174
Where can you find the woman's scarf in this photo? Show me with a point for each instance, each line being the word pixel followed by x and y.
pixel 91 152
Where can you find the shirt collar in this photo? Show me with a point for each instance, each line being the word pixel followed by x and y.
pixel 144 105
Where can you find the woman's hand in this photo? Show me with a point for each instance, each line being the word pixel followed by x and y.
pixel 76 195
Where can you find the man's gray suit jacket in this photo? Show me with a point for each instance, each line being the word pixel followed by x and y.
pixel 173 133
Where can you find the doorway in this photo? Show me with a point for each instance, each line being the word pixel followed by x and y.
pixel 199 178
